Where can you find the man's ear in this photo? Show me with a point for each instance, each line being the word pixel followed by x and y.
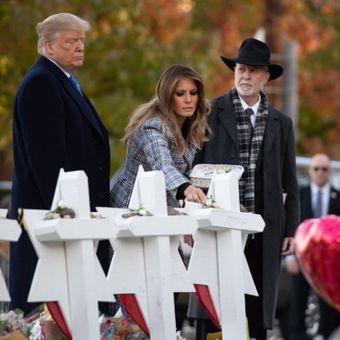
pixel 267 76
pixel 48 47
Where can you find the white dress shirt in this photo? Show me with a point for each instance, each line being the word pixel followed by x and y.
pixel 255 108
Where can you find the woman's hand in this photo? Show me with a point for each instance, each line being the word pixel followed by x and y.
pixel 188 239
pixel 194 194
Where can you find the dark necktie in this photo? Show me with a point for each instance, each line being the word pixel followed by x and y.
pixel 75 83
pixel 77 86
pixel 318 205
pixel 250 112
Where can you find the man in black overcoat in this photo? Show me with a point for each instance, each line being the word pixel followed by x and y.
pixel 319 190
pixel 54 126
pixel 262 141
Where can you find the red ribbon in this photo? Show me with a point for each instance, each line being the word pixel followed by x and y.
pixel 131 306
pixel 204 297
pixel 57 315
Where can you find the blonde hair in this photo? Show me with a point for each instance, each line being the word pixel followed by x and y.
pixel 161 106
pixel 59 22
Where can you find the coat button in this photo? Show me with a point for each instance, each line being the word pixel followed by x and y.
pixel 100 168
pixel 101 195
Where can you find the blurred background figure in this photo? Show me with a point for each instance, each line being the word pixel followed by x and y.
pixel 317 199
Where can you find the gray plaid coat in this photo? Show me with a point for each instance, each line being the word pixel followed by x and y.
pixel 153 150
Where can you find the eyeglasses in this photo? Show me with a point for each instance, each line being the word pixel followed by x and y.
pixel 320 168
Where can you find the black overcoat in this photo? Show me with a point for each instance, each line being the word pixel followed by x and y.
pixel 306 202
pixel 54 126
pixel 275 179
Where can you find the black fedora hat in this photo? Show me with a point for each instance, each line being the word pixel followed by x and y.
pixel 256 53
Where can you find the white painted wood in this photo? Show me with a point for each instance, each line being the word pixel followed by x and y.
pixel 217 259
pixel 162 320
pixel 146 183
pixel 50 281
pixel 82 280
pixel 150 243
pixel 127 271
pixel 9 231
pixel 203 265
pixel 68 270
pixel 135 201
pixel 220 219
pixel 82 229
pixel 72 188
pixel 231 284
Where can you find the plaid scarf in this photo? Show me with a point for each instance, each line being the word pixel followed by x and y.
pixel 250 141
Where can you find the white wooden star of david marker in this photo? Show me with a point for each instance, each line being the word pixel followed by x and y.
pixel 68 270
pixel 146 260
pixel 9 231
pixel 218 248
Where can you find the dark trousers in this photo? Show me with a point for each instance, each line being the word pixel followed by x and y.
pixel 329 319
pixel 22 263
pixel 254 304
pixel 329 316
pixel 300 291
pixel 203 327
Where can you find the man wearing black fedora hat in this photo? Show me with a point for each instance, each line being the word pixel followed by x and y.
pixel 249 131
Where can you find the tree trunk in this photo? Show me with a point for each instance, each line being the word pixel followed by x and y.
pixel 274 10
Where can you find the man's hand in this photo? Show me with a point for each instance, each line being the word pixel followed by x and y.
pixel 288 246
pixel 291 264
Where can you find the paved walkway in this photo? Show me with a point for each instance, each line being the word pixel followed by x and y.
pixel 188 332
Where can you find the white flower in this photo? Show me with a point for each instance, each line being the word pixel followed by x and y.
pixel 210 202
pixel 142 212
pixel 137 212
pixel 61 205
pixel 12 321
pixel 179 337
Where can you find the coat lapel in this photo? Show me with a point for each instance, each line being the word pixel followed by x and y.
pixel 225 113
pixel 188 157
pixel 82 101
pixel 272 131
pixel 333 196
pixel 308 200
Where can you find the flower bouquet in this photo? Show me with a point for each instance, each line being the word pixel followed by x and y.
pixel 38 325
pixel 211 203
pixel 13 326
pixel 119 327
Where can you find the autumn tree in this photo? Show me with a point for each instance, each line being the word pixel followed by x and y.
pixel 133 41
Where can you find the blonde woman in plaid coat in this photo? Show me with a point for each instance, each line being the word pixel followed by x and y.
pixel 164 134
